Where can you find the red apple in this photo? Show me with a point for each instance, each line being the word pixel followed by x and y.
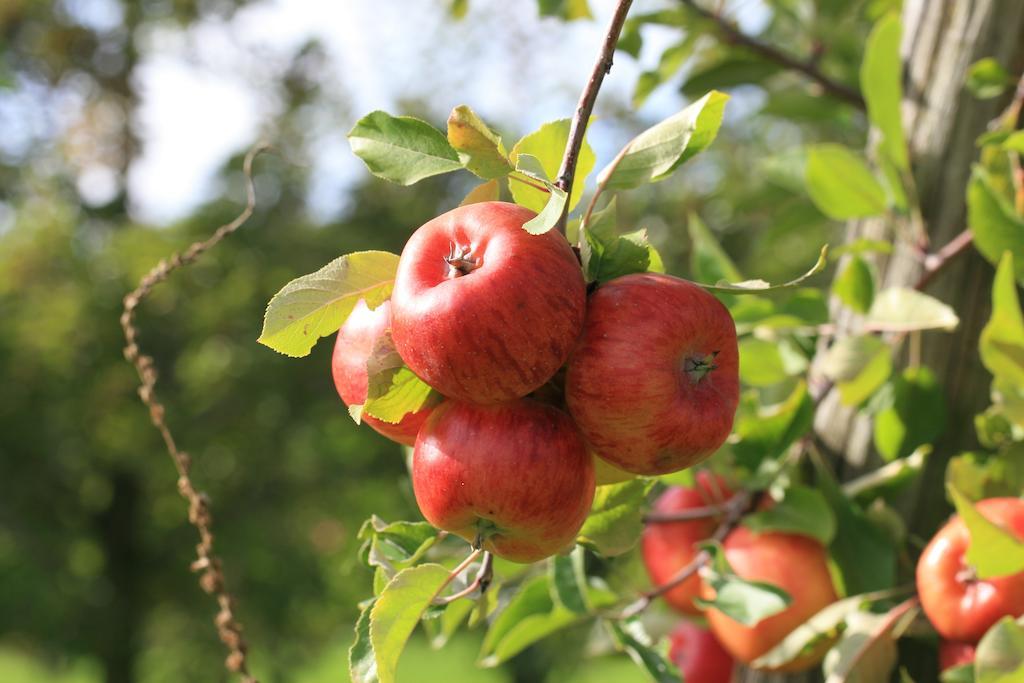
pixel 670 546
pixel 517 474
pixel 482 310
pixel 653 383
pixel 954 653
pixel 356 341
pixel 797 565
pixel 699 655
pixel 960 605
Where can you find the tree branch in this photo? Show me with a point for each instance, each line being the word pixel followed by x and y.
pixel 482 580
pixel 585 106
pixel 934 263
pixel 207 564
pixel 706 512
pixel 735 508
pixel 808 68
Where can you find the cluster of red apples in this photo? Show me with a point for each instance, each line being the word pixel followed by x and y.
pixel 544 389
pixel 960 605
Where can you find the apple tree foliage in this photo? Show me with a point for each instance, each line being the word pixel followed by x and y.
pixel 791 351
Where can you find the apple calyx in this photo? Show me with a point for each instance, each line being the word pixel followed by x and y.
pixel 485 528
pixel 697 367
pixel 460 260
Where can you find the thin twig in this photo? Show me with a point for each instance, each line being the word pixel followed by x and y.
pixel 482 580
pixel 934 263
pixel 736 507
pixel 807 68
pixel 585 106
pixel 706 512
pixel 209 566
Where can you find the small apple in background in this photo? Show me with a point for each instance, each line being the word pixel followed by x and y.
pixel 796 564
pixel 482 310
pixel 960 605
pixel 670 546
pixel 954 653
pixel 516 473
pixel 699 655
pixel 356 341
pixel 654 382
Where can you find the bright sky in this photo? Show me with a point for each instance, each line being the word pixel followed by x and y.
pixel 209 92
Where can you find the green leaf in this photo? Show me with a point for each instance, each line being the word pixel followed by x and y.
pixel 987 475
pixel 547 144
pixel 881 76
pixel 766 432
pixel 362 664
pixel 533 597
pixel 393 390
pixel 1000 654
pixel 530 616
pixel 1002 340
pixel 457 9
pixel 669 64
pixel 958 674
pixel 395 546
pixel 993 551
pixel 841 184
pixel 917 415
pixel 761 363
pixel 861 246
pixel 988 79
pixel 615 519
pixel 994 428
pixel 568 10
pixel 731 69
pixel 863 552
pixel 449 621
pixel 1014 142
pixel 888 480
pixel 802 511
pixel 996 226
pixel 479 148
pixel 485 192
pixel 866 653
pixel 760 286
pixel 658 151
pixel 708 261
pixel 859 365
pixel 631 637
pixel 747 602
pixel 397 611
pixel 808 636
pixel 316 305
pixel 568 581
pixel 900 309
pixel 855 285
pixel 401 149
pixel 549 215
pixel 606 255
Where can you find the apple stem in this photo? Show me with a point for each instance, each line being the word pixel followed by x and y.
pixel 460 261
pixel 482 580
